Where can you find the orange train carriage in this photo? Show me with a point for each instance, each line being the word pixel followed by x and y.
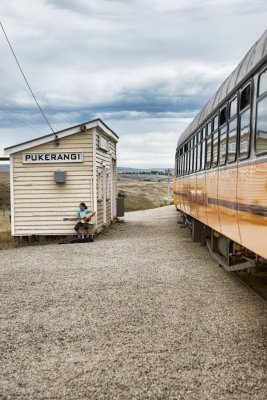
pixel 220 182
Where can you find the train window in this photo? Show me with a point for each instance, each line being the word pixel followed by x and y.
pixel 199 157
pixel 208 153
pixel 223 141
pixel 223 116
pixel 233 107
pixel 261 126
pixel 262 88
pixel 215 123
pixel 203 151
pixel 192 160
pixel 187 162
pixel 195 157
pixel 232 140
pixel 215 149
pixel 208 132
pixel 245 98
pixel 244 137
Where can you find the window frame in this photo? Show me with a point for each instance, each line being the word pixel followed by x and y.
pixel 225 125
pixel 264 152
pixel 208 137
pixel 259 98
pixel 240 112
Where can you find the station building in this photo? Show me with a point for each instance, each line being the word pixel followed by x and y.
pixel 51 175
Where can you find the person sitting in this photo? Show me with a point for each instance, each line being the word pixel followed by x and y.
pixel 83 217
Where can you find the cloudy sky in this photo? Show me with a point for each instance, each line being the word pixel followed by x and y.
pixel 146 67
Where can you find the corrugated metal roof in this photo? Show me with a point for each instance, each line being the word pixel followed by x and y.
pixel 256 56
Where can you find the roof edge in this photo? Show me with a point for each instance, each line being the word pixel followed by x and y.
pixel 60 134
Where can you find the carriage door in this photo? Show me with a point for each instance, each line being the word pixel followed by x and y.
pixel 104 195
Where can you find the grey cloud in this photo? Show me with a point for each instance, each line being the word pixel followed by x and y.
pixel 139 64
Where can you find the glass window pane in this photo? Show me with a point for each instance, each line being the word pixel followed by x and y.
pixel 199 157
pixel 209 129
pixel 195 159
pixel 233 107
pixel 232 140
pixel 261 128
pixel 223 116
pixel 215 149
pixel 203 154
pixel 244 134
pixel 208 155
pixel 192 160
pixel 223 141
pixel 188 162
pixel 262 83
pixel 245 98
pixel 215 122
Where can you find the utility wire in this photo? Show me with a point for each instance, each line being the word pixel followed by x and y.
pixel 36 101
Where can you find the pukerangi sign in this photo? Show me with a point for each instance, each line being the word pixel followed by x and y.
pixel 40 158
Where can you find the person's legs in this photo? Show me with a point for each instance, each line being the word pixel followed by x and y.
pixel 85 229
pixel 77 228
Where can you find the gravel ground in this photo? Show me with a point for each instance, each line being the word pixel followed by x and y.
pixel 142 313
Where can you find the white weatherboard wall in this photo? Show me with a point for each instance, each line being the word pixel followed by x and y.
pixel 106 180
pixel 40 204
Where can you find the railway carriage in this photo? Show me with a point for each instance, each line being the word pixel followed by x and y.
pixel 220 183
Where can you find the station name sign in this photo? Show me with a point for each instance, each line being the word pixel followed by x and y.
pixel 41 158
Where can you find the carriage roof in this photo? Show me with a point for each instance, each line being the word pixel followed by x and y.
pixel 253 60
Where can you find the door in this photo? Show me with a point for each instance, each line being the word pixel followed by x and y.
pixel 104 195
pixel 113 188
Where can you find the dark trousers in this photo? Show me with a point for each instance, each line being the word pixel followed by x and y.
pixel 81 225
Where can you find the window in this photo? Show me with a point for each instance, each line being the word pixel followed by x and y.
pixel 233 107
pixel 232 140
pixel 103 143
pixel 215 149
pixel 195 158
pixel 223 116
pixel 262 88
pixel 261 126
pixel 244 134
pixel 186 166
pixel 215 123
pixel 208 132
pixel 208 153
pixel 198 166
pixel 191 160
pixel 203 152
pixel 223 142
pixel 245 98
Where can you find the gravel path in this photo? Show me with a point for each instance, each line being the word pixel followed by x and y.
pixel 142 313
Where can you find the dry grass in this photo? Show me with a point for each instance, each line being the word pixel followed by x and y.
pixel 142 195
pixel 4 189
pixel 6 240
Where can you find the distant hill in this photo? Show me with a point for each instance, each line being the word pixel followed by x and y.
pixel 4 167
pixel 125 170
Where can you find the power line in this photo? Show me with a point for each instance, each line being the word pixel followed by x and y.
pixel 36 101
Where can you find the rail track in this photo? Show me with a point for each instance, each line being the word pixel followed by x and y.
pixel 255 283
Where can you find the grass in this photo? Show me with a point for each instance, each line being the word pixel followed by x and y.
pixel 4 189
pixel 6 240
pixel 142 195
